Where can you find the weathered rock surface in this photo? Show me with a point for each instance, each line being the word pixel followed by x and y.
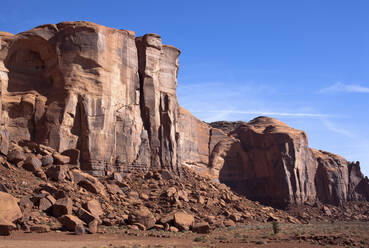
pixel 268 161
pixel 62 206
pixel 142 216
pixel 77 85
pixel 9 209
pixel 72 223
pixel 9 212
pixel 183 220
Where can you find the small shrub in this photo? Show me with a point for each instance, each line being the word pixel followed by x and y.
pixel 199 239
pixel 237 235
pixel 223 238
pixel 260 242
pixel 276 227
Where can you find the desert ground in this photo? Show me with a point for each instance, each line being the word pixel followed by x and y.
pixel 340 234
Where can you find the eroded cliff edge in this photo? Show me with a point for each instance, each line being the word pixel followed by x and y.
pixel 270 162
pixel 108 99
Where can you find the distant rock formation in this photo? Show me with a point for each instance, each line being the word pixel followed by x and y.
pixel 107 99
pixel 270 162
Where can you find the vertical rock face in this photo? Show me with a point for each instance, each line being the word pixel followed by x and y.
pixel 96 89
pixel 4 44
pixel 158 66
pixel 193 141
pixel 268 161
pixel 338 180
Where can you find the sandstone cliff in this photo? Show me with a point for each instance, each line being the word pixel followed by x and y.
pixel 268 161
pixel 107 99
pixel 98 90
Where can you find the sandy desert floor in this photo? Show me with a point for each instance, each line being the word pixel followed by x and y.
pixel 341 234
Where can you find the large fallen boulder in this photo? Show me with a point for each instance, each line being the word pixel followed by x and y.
pixel 90 183
pixel 94 207
pixel 9 212
pixel 183 220
pixel 142 216
pixel 72 223
pixel 62 206
pixel 6 227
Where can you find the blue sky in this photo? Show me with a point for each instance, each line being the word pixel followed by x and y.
pixel 304 62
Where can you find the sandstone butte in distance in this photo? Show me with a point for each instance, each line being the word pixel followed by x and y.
pixel 108 100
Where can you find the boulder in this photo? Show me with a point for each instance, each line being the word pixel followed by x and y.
pixel 142 216
pixel 25 205
pixel 90 183
pixel 86 216
pixel 47 160
pixel 93 226
pixel 6 227
pixel 40 229
pixel 167 219
pixel 9 210
pixel 113 188
pixel 173 229
pixel 72 223
pixel 57 172
pixel 202 227
pixel 229 223
pixel 94 207
pixel 44 204
pixel 32 163
pixel 118 177
pixel 15 156
pixel 79 230
pixel 62 206
pixel 60 159
pixel 183 220
pixel 73 154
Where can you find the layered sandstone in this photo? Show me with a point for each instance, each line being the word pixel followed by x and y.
pixel 268 161
pixel 102 91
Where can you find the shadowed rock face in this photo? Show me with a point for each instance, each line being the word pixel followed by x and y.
pixel 338 180
pixel 110 98
pixel 268 161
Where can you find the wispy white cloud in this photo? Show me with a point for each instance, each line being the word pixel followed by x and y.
pixel 216 115
pixel 336 129
pixel 350 88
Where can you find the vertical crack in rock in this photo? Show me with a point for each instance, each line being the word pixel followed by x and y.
pixel 149 50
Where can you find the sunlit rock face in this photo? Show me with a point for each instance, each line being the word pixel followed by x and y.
pixel 110 97
pixel 79 85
